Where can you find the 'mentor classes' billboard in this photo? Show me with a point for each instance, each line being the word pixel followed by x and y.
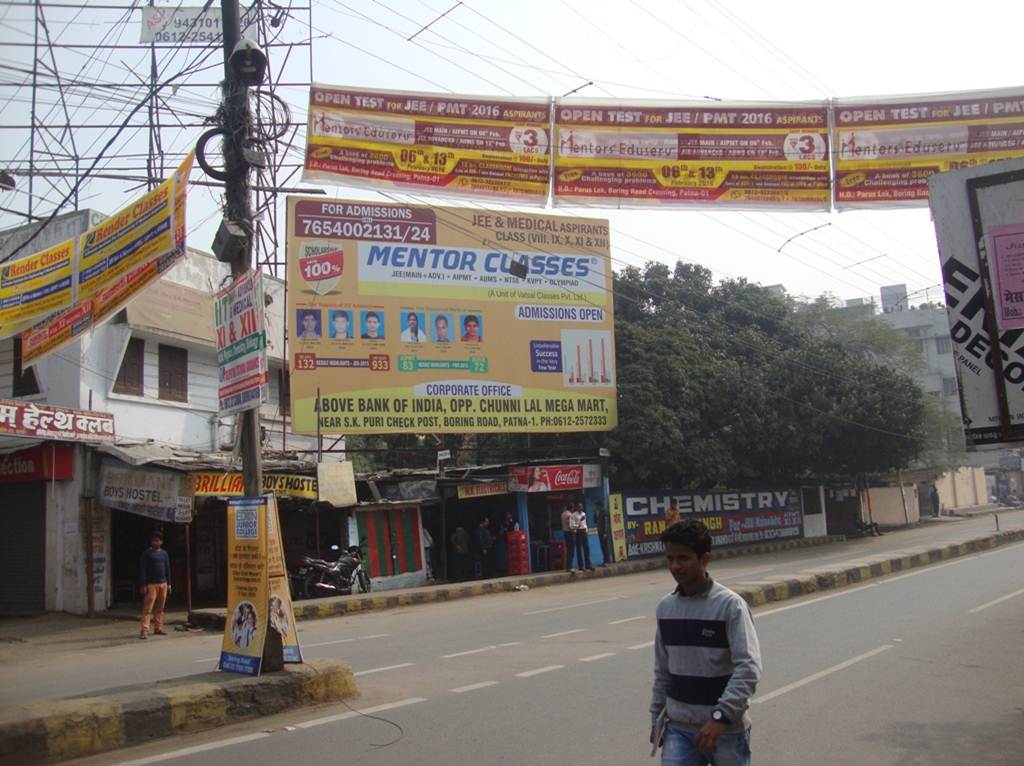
pixel 408 318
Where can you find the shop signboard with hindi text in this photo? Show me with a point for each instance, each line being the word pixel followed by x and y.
pixel 245 629
pixel 428 142
pixel 732 518
pixel 665 154
pixel 411 319
pixel 43 421
pixel 887 148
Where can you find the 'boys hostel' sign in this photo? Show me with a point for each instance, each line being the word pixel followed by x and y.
pixel 733 518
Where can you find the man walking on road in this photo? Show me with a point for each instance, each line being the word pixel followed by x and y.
pixel 155 583
pixel 707 660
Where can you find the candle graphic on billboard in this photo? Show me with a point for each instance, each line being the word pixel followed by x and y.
pixel 588 358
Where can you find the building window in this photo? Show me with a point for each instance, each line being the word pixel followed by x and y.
pixel 129 377
pixel 919 346
pixel 913 332
pixel 949 386
pixel 943 346
pixel 173 373
pixel 284 392
pixel 25 383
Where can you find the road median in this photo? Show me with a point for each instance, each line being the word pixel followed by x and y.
pixel 51 731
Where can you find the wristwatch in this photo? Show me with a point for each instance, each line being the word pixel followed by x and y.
pixel 719 717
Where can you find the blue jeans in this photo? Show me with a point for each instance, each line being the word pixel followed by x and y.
pixel 680 750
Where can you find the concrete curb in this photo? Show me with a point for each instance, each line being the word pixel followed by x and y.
pixel 841 578
pixel 343 605
pixel 58 730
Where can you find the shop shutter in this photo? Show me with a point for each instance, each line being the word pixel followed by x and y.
pixel 23 548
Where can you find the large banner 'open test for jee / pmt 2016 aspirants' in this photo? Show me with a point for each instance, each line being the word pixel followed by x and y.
pixel 411 319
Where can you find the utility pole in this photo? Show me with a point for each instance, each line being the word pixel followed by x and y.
pixel 238 211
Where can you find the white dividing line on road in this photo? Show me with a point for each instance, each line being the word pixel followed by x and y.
pixel 572 606
pixel 364 711
pixel 627 619
pixel 820 674
pixel 538 671
pixel 511 643
pixel 386 667
pixel 473 687
pixel 375 635
pixel 593 657
pixel 328 643
pixel 999 600
pixel 808 602
pixel 564 633
pixel 469 651
pixel 644 645
pixel 195 749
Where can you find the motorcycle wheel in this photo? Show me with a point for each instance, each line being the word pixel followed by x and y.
pixel 364 582
pixel 309 586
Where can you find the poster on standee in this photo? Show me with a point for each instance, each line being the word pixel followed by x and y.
pixel 656 154
pixel 1006 256
pixel 886 148
pixel 280 613
pixel 430 142
pixel 245 629
pixel 408 319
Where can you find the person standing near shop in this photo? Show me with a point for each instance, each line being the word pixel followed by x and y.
pixel 602 534
pixel 707 660
pixel 154 583
pixel 578 525
pixel 933 495
pixel 460 547
pixel 485 543
pixel 568 536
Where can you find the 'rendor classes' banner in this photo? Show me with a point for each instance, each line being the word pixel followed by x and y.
pixel 429 142
pixel 413 319
pixel 756 155
pixel 886 148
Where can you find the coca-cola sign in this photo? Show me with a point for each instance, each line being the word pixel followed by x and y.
pixel 554 478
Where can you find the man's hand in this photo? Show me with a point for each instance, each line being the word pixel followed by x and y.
pixel 707 737
pixel 651 738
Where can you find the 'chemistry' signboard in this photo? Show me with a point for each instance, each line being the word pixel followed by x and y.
pixel 733 518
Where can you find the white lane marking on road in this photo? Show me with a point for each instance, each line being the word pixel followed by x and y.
pixel 538 671
pixel 195 749
pixel 923 570
pixel 328 643
pixel 808 602
pixel 564 633
pixel 628 619
pixel 386 667
pixel 572 606
pixel 999 600
pixel 469 651
pixel 820 674
pixel 364 711
pixel 473 687
pixel 375 635
pixel 644 645
pixel 593 657
pixel 512 643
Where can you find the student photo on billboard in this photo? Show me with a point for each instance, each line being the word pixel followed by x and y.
pixel 340 324
pixel 440 328
pixel 412 327
pixel 308 322
pixel 472 328
pixel 372 325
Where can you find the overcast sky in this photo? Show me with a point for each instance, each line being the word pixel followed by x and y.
pixel 669 49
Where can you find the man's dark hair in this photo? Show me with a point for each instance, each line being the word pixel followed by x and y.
pixel 158 534
pixel 691 533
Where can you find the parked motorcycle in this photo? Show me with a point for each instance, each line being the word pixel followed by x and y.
pixel 317 578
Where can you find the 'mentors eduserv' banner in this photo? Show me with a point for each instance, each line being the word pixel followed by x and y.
pixel 412 319
pixel 733 518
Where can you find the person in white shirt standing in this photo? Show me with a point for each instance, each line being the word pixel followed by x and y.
pixel 578 525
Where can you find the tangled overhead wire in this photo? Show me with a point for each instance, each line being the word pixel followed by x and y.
pixel 273 120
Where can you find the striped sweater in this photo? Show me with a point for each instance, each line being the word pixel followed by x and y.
pixel 706 656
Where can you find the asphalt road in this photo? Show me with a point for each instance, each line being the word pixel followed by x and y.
pixel 924 667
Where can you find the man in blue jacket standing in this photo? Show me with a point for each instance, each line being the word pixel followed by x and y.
pixel 155 583
pixel 707 660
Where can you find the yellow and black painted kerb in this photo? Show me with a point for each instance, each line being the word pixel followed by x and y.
pixel 59 730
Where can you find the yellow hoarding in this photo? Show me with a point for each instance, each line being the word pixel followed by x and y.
pixel 437 143
pixel 420 319
pixel 886 148
pixel 37 285
pixel 659 153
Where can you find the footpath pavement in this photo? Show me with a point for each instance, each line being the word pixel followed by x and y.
pixel 34 731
